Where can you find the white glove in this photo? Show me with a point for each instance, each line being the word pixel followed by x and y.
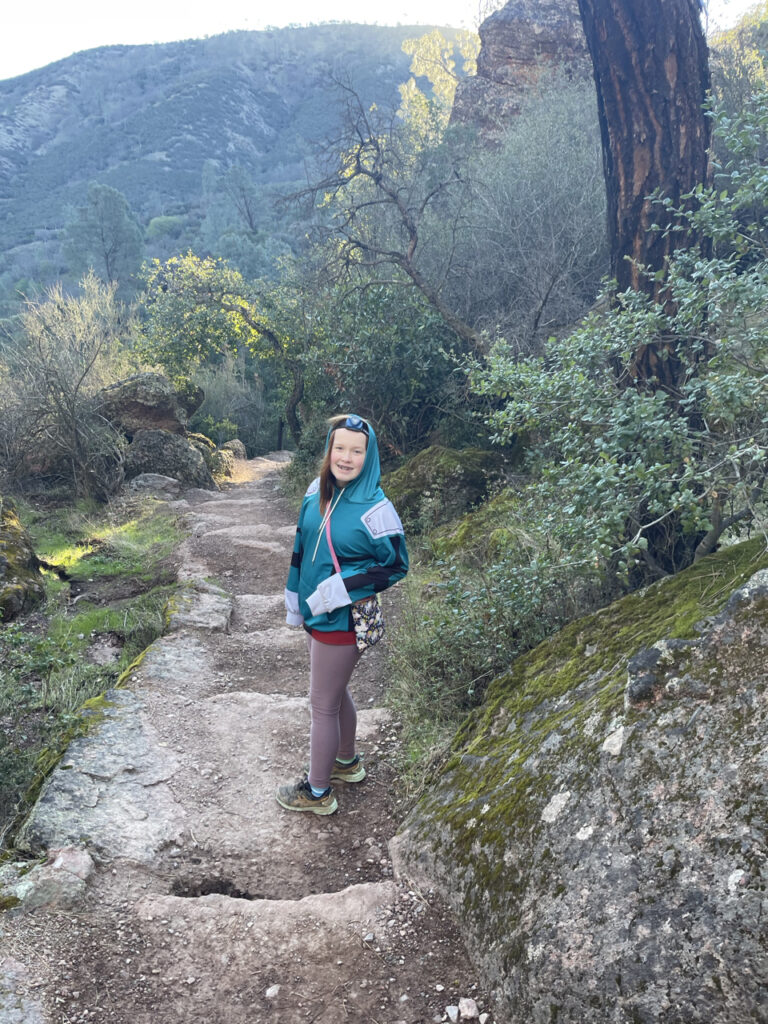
pixel 330 594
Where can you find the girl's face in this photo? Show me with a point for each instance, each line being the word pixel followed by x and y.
pixel 347 454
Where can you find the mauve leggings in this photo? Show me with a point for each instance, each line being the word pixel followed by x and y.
pixel 334 718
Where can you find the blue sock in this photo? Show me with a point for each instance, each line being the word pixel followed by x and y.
pixel 316 791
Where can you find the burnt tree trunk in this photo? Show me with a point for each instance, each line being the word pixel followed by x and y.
pixel 652 77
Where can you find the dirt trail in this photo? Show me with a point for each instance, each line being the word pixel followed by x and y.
pixel 206 901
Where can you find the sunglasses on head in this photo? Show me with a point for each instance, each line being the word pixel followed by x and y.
pixel 355 423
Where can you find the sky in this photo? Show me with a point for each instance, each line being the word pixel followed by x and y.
pixel 37 32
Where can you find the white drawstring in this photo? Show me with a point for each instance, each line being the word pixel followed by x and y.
pixel 326 517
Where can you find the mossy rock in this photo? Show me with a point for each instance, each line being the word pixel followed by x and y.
pixel 593 834
pixel 160 451
pixel 484 533
pixel 237 448
pixel 439 484
pixel 205 446
pixel 21 584
pixel 223 464
pixel 144 401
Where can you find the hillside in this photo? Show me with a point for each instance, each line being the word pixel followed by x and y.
pixel 161 123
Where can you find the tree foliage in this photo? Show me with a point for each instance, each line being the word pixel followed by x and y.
pixel 434 57
pixel 105 236
pixel 67 349
pixel 201 311
pixel 634 480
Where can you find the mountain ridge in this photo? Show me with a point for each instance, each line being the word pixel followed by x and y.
pixel 148 119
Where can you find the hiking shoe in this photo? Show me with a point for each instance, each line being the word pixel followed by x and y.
pixel 353 772
pixel 341 772
pixel 298 797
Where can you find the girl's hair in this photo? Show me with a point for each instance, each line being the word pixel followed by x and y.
pixel 327 481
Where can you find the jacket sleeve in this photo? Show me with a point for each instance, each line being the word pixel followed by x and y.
pixel 293 615
pixel 389 554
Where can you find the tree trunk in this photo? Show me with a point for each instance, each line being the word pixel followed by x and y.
pixel 652 77
pixel 292 405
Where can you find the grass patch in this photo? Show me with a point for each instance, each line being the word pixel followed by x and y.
pixel 47 675
pixel 131 538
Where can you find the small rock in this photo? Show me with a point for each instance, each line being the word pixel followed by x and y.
pixel 614 743
pixel 468 1009
pixel 453 1013
pixel 439 988
pixel 484 1018
pixel 272 992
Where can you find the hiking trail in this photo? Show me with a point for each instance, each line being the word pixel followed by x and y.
pixel 176 890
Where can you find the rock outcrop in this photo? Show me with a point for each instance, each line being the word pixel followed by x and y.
pixel 519 43
pixel 443 483
pixel 159 451
pixel 601 824
pixel 237 448
pixel 21 585
pixel 145 401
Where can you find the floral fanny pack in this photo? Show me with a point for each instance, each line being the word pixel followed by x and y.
pixel 367 617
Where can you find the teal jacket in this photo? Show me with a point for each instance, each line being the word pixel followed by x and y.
pixel 367 537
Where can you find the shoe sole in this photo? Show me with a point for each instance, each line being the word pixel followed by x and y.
pixel 325 809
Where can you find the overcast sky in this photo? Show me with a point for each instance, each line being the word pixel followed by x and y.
pixel 36 32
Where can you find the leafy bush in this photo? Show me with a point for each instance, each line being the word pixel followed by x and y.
pixel 640 479
pixel 66 349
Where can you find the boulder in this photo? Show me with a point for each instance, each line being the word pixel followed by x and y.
pixel 145 401
pixel 223 464
pixel 518 44
pixel 21 584
pixel 439 484
pixel 205 446
pixel 155 484
pixel 237 448
pixel 599 826
pixel 158 451
pixel 59 882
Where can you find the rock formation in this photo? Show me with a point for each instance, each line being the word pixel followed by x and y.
pixel 455 480
pixel 145 401
pixel 519 43
pixel 237 448
pixel 159 451
pixel 21 585
pixel 601 823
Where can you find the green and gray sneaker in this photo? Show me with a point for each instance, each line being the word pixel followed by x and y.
pixel 341 772
pixel 352 772
pixel 298 797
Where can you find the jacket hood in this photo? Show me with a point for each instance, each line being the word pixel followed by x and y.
pixel 365 488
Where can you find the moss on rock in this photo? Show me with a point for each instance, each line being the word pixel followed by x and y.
pixel 439 484
pixel 550 811
pixel 223 464
pixel 482 534
pixel 205 446
pixel 21 583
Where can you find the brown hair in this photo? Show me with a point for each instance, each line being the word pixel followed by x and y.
pixel 327 479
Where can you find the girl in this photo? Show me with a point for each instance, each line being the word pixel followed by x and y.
pixel 349 545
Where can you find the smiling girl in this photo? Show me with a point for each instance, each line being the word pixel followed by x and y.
pixel 349 546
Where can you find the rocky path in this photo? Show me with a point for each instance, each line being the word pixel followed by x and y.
pixel 175 889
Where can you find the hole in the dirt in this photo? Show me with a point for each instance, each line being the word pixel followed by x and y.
pixel 212 887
